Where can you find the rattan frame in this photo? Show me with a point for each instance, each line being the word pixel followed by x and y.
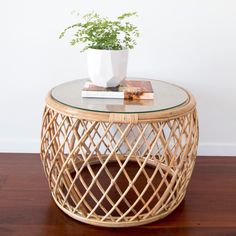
pixel 73 140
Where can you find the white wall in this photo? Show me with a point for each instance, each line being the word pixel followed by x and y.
pixel 188 42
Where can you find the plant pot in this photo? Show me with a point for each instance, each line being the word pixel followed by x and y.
pixel 107 68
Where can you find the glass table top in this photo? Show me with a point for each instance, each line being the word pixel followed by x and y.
pixel 166 96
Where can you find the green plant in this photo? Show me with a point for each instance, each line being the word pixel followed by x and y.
pixel 95 31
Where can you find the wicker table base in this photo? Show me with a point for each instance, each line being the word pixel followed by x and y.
pixel 118 171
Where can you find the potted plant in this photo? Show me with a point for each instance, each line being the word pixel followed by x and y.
pixel 107 43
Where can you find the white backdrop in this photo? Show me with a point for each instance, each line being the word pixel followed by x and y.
pixel 188 42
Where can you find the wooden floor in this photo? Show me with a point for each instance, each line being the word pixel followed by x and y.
pixel 26 206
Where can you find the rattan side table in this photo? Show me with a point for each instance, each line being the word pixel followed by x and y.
pixel 117 163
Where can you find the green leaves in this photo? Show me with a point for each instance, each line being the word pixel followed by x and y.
pixel 126 15
pixel 99 32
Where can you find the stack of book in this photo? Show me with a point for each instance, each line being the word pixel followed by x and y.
pixel 128 89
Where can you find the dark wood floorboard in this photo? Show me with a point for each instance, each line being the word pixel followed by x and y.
pixel 26 207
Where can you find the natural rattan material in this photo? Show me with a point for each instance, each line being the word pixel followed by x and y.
pixel 87 158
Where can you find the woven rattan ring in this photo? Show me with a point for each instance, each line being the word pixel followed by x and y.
pixel 118 170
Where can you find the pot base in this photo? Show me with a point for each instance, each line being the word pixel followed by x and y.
pixel 113 82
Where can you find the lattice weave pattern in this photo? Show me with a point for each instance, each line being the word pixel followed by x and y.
pixel 118 174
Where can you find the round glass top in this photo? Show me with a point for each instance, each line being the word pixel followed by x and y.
pixel 166 96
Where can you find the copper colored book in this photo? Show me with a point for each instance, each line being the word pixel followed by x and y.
pixel 128 89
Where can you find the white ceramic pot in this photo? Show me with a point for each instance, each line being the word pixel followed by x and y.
pixel 107 68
